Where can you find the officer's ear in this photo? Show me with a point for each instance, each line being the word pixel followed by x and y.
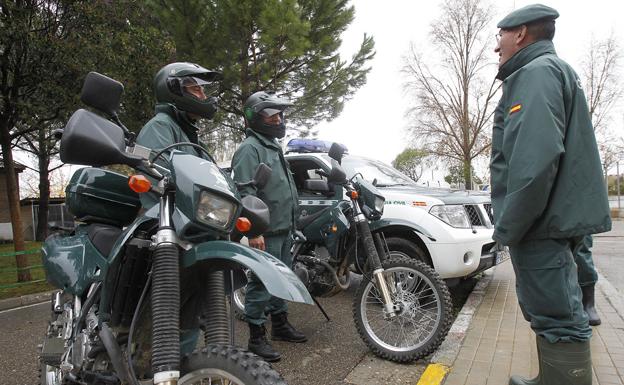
pixel 521 35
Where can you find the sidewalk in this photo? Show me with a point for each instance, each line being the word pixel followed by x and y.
pixel 499 342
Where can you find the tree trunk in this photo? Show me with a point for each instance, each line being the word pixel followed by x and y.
pixel 467 168
pixel 23 273
pixel 44 193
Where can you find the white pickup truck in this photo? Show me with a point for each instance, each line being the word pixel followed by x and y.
pixel 449 230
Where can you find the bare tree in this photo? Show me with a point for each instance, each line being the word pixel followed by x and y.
pixel 600 68
pixel 453 103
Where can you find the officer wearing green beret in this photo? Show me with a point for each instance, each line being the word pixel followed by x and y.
pixel 264 117
pixel 547 190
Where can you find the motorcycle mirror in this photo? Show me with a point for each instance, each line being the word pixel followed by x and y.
pixel 336 152
pixel 102 93
pixel 263 173
pixel 258 214
pixel 91 140
pixel 337 173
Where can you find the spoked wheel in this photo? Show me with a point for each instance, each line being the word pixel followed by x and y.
pixel 226 365
pixel 423 315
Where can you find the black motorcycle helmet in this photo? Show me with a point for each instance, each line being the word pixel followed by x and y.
pixel 191 88
pixel 263 104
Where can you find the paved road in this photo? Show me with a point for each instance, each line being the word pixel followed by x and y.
pixel 609 255
pixel 21 332
pixel 333 351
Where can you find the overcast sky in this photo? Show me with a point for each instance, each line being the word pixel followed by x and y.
pixel 373 123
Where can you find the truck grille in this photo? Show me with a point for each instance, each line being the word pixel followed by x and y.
pixel 488 210
pixel 473 215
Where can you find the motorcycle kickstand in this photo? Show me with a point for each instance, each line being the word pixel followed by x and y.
pixel 320 308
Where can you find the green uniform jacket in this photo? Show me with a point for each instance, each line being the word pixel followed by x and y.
pixel 280 193
pixel 165 129
pixel 161 131
pixel 545 167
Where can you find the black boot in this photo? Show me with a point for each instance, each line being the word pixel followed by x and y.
pixel 561 363
pixel 259 345
pixel 282 330
pixel 589 304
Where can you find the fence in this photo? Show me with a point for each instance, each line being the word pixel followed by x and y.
pixel 8 270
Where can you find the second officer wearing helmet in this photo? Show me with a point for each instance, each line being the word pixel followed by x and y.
pixel 264 118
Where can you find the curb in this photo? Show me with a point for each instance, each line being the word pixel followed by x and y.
pixel 613 296
pixel 443 359
pixel 25 300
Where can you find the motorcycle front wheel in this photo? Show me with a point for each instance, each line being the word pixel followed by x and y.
pixel 422 320
pixel 227 365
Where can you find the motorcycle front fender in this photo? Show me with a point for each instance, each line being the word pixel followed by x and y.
pixel 278 279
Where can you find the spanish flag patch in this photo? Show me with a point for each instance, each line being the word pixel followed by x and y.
pixel 515 108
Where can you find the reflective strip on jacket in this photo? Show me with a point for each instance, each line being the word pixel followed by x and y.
pixel 545 168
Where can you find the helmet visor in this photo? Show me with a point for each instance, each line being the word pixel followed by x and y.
pixel 199 89
pixel 268 112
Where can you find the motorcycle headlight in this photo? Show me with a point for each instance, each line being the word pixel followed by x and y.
pixel 379 204
pixel 215 211
pixel 454 215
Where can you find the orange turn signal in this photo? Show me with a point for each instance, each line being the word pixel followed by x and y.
pixel 243 224
pixel 354 195
pixel 139 183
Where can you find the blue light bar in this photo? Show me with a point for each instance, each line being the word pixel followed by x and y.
pixel 308 145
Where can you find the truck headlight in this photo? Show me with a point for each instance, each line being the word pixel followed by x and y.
pixel 454 215
pixel 215 211
pixel 379 203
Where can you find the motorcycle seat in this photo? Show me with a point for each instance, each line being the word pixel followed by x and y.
pixel 103 236
pixel 303 221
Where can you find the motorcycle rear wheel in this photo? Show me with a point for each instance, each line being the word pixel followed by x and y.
pixel 239 303
pixel 424 318
pixel 227 365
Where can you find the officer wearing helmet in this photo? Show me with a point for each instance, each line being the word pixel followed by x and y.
pixel 264 118
pixel 185 93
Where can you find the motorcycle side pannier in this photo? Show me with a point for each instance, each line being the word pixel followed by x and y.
pixel 101 196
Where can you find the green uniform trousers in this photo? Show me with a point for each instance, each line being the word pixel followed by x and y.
pixel 587 274
pixel 547 287
pixel 258 302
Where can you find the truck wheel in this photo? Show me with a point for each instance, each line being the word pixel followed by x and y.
pixel 400 247
pixel 423 314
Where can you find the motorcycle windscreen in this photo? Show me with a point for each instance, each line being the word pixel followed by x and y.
pixel 278 279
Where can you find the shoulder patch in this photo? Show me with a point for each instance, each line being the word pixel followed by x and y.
pixel 515 108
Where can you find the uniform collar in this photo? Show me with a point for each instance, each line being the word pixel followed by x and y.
pixel 265 140
pixel 525 56
pixel 180 117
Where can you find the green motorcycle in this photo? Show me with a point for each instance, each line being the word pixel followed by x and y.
pixel 136 291
pixel 402 308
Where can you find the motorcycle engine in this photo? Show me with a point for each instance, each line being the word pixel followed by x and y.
pixel 317 279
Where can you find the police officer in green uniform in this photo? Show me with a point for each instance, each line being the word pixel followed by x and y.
pixel 547 190
pixel 587 277
pixel 184 94
pixel 264 116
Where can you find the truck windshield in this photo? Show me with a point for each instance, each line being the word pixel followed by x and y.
pixel 373 169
